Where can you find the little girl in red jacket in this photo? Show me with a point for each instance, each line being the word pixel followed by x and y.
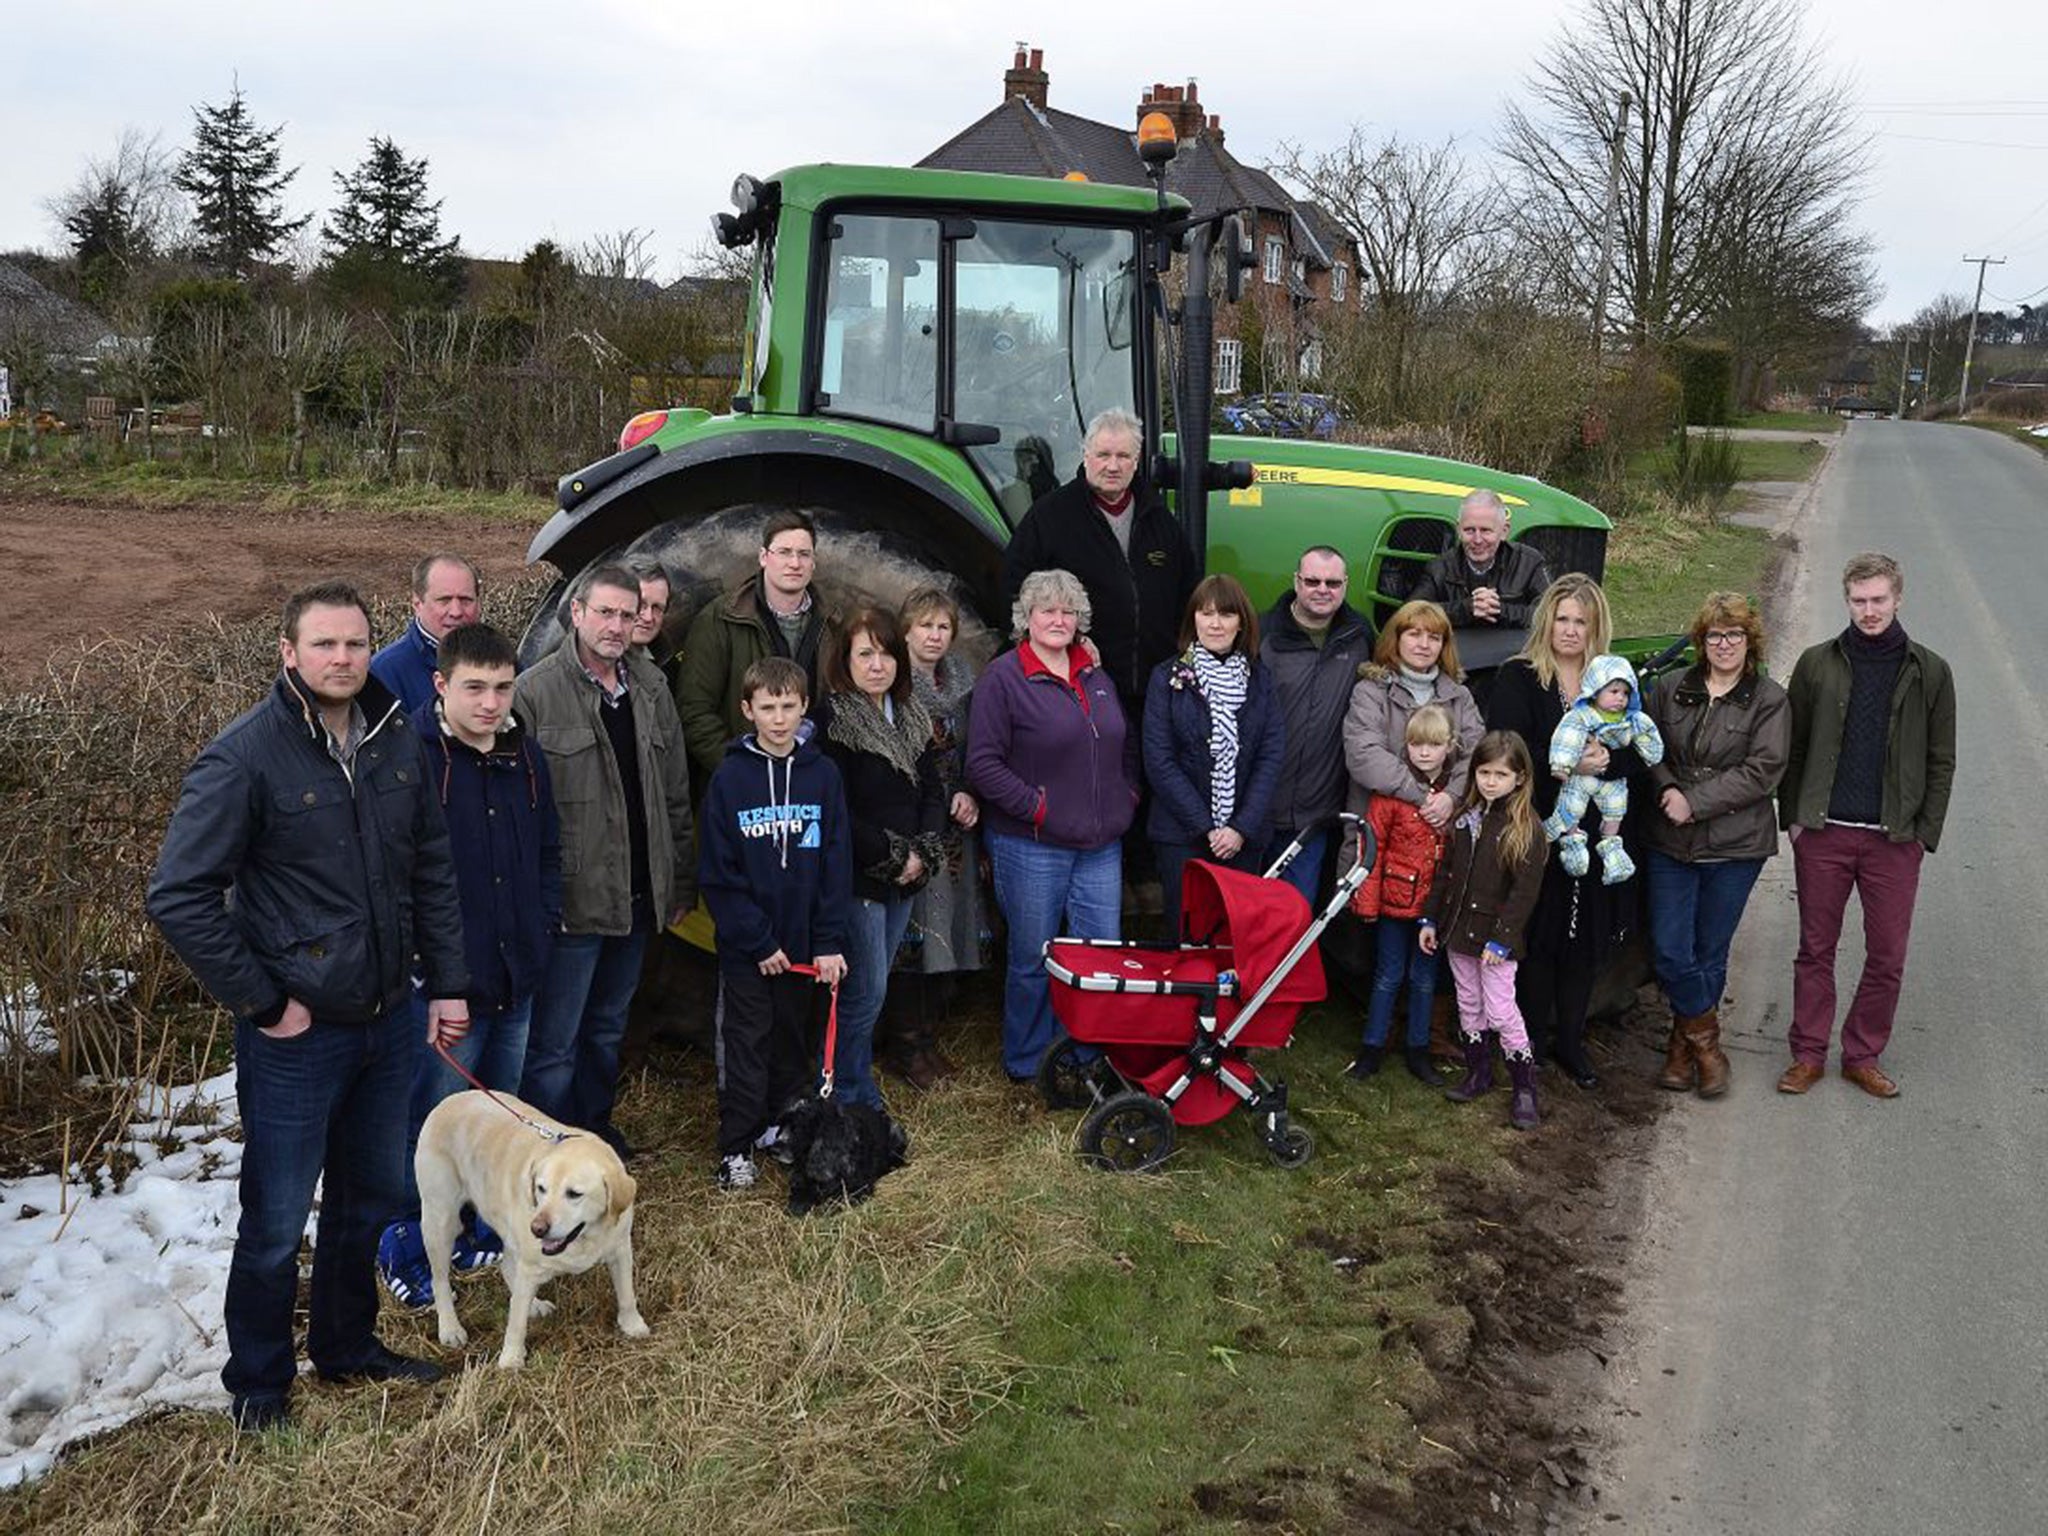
pixel 1396 893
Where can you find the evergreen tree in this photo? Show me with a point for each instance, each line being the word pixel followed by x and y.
pixel 236 182
pixel 384 241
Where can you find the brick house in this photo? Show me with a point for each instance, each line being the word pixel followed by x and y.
pixel 1305 263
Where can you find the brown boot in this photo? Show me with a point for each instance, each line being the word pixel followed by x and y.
pixel 1678 1063
pixel 1703 1034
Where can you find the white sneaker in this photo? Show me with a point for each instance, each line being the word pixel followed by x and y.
pixel 775 1143
pixel 736 1171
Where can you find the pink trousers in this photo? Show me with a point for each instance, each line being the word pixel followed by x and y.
pixel 1486 1000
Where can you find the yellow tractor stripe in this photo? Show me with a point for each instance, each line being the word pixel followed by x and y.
pixel 1352 479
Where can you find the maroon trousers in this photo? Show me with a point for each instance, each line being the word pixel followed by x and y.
pixel 1829 862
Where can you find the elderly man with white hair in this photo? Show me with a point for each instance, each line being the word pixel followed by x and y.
pixel 1113 531
pixel 1485 582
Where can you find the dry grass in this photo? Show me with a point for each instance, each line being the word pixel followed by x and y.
pixel 795 1367
pixel 1664 556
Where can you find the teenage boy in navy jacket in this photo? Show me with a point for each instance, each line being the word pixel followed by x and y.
pixel 775 866
pixel 492 782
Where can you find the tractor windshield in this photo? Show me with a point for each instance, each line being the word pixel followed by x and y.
pixel 983 328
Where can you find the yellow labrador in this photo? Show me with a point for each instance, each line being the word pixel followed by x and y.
pixel 560 1205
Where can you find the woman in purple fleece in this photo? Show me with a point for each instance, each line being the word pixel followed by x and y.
pixel 1056 772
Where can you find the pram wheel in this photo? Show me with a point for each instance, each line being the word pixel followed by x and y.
pixel 1128 1133
pixel 1294 1147
pixel 1068 1074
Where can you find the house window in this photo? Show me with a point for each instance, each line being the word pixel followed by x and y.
pixel 1276 256
pixel 1229 365
pixel 1301 270
pixel 1340 279
pixel 1312 362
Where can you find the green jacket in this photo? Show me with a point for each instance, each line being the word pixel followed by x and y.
pixel 1919 754
pixel 726 637
pixel 559 704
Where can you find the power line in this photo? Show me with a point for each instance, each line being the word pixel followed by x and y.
pixel 1927 138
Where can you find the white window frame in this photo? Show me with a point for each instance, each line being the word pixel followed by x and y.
pixel 1276 257
pixel 1340 282
pixel 1229 365
pixel 1312 362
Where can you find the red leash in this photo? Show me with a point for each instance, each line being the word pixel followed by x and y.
pixel 831 1029
pixel 469 1077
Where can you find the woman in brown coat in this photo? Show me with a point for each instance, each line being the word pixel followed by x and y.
pixel 1727 730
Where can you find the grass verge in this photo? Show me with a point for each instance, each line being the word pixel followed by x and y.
pixel 1002 1341
pixel 1663 558
pixel 2018 431
pixel 1789 421
pixel 1768 460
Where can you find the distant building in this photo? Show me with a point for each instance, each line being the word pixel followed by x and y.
pixel 1305 261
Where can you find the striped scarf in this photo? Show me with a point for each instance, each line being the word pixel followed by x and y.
pixel 1224 681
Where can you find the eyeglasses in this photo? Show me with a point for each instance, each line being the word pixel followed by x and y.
pixel 1725 636
pixel 612 615
pixel 800 556
pixel 1322 581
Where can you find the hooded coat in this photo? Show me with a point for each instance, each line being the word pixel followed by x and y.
pixel 775 861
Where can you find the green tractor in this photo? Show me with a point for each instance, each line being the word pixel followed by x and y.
pixel 924 350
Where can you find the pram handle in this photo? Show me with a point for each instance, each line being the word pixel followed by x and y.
pixel 1339 819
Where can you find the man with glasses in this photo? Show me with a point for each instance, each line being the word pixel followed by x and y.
pixel 650 642
pixel 615 751
pixel 773 613
pixel 1486 582
pixel 1312 642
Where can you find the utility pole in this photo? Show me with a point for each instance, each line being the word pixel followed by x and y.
pixel 1607 224
pixel 1905 367
pixel 1970 346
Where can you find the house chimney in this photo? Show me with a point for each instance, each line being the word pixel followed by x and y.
pixel 1182 104
pixel 1026 77
pixel 1215 129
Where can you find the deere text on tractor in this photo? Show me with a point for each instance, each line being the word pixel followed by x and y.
pixel 924 350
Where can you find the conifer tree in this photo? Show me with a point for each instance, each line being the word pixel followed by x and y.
pixel 236 181
pixel 384 240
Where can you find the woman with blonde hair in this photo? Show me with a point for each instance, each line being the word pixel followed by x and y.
pixel 1727 732
pixel 1578 919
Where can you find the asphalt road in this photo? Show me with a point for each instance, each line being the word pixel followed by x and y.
pixel 1839 1318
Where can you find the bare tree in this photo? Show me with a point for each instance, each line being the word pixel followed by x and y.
pixel 1739 174
pixel 305 349
pixel 1418 219
pixel 121 213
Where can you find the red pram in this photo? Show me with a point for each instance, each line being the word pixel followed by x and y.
pixel 1156 1037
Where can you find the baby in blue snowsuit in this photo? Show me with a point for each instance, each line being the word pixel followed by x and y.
pixel 1608 711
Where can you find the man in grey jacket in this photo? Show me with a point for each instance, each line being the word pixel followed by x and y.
pixel 621 775
pixel 1312 643
pixel 305 867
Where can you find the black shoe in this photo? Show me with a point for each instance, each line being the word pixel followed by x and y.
pixel 1421 1065
pixel 1579 1068
pixel 387 1365
pixel 1367 1064
pixel 614 1138
pixel 260 1411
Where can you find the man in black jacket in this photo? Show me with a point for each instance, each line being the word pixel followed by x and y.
pixel 1486 582
pixel 306 870
pixel 1312 642
pixel 1114 533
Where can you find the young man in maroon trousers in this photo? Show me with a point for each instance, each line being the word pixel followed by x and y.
pixel 1864 796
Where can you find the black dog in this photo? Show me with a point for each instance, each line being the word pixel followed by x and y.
pixel 840 1151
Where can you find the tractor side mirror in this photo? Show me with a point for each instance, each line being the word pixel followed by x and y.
pixel 1237 257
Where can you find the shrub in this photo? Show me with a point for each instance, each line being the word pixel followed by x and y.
pixel 1706 381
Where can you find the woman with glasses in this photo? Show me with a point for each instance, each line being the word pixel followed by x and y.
pixel 1727 729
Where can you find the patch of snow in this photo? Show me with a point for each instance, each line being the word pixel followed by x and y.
pixel 115 1309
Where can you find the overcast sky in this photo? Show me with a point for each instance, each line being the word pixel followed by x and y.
pixel 564 120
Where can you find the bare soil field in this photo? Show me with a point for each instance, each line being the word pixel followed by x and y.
pixel 75 571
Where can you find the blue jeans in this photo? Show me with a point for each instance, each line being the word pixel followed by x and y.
pixel 494 1051
pixel 1401 963
pixel 579 1018
pixel 1036 885
pixel 1694 912
pixel 1305 874
pixel 331 1100
pixel 872 936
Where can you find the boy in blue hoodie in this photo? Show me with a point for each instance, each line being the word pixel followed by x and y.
pixel 502 826
pixel 775 866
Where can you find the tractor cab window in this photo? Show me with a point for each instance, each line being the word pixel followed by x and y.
pixel 879 356
pixel 1044 319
